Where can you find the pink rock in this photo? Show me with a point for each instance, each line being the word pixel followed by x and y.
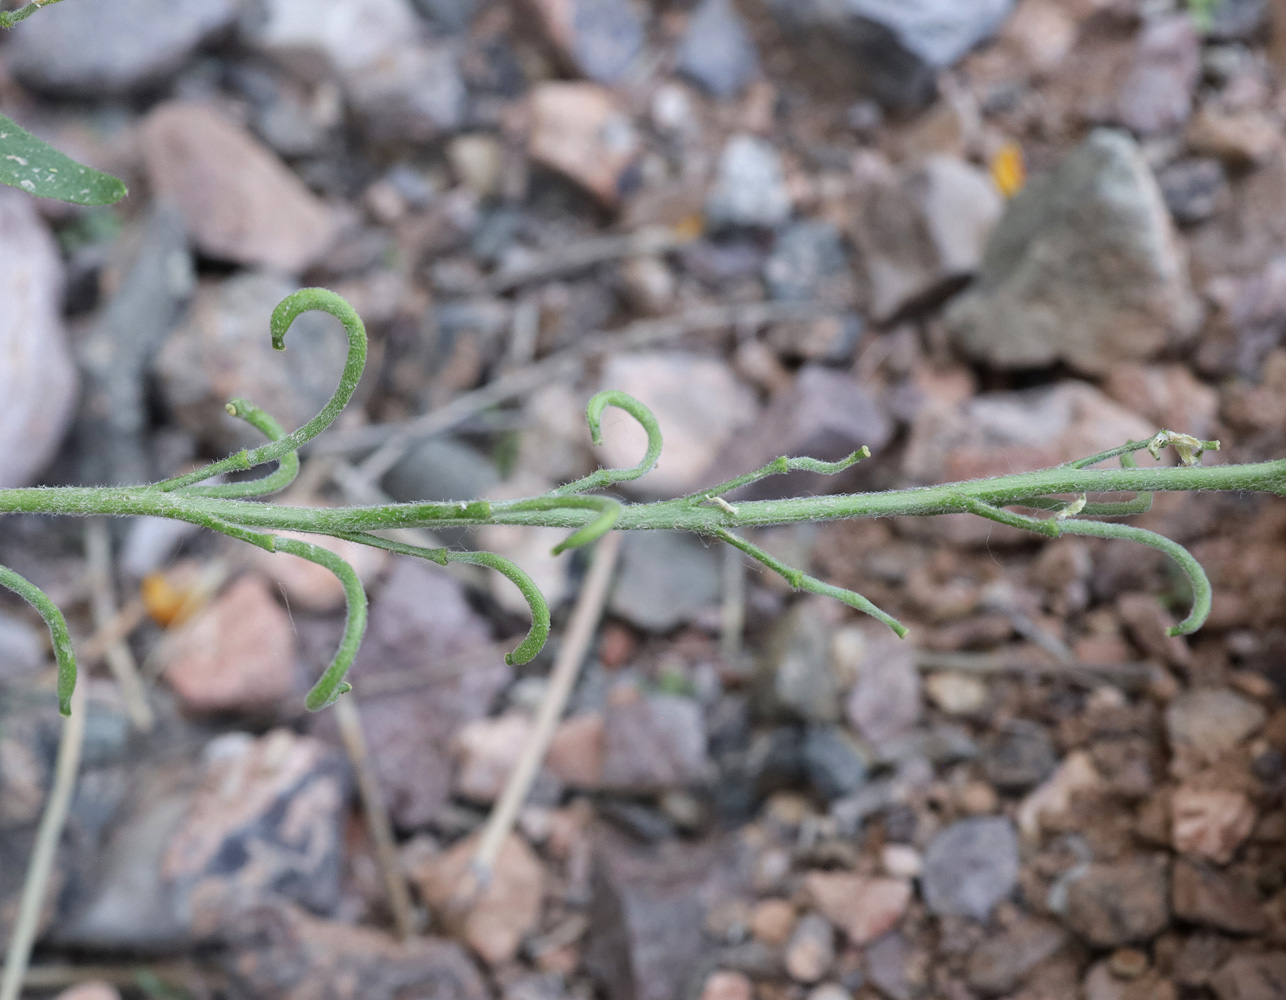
pixel 1210 822
pixel 239 201
pixel 313 587
pixel 863 908
pixel 486 751
pixel 579 130
pixel 577 751
pixel 236 655
pixel 493 922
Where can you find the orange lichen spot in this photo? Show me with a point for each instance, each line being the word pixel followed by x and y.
pixel 1007 170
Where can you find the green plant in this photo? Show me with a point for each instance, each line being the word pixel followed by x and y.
pixel 34 166
pixel 235 508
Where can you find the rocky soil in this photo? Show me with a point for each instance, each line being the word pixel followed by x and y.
pixel 978 236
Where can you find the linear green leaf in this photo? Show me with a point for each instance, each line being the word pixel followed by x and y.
pixel 34 166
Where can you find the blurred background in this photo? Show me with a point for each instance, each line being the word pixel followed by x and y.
pixel 977 236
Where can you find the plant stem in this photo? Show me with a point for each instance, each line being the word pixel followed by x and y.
pixel 685 514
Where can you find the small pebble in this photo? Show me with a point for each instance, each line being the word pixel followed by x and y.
pixel 1128 963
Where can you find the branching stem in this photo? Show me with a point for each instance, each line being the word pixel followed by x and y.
pixel 233 508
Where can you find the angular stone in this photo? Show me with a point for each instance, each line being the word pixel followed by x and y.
pixel 665 579
pixel 698 402
pixel 223 350
pixel 1251 977
pixel 424 635
pixel 921 234
pixel 1156 95
pixel 1001 963
pixel 494 923
pixel 486 751
pixel 237 654
pixel 415 94
pixel 863 908
pixel 1210 823
pixel 1216 899
pixel 597 39
pixel 811 949
pixel 970 866
pixel 1240 139
pixel 890 50
pixel 239 201
pixel 580 131
pixel 281 952
pixel 716 51
pixel 998 433
pixel 825 414
pixel 1100 217
pixel 884 702
pixel 728 986
pixel 653 743
pixel 38 377
pixel 749 189
pixel 265 823
pixel 795 678
pixel 109 48
pixel 1022 757
pixel 1168 395
pixel 341 36
pixel 647 911
pixel 1205 724
pixel 1121 903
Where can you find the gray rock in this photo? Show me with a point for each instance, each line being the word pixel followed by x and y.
pixel 1001 963
pixel 154 279
pixel 665 579
pixel 921 234
pixel 887 960
pixel 1083 267
pixel 265 822
pixel 884 702
pixel 1194 190
pixel 647 912
pixel 596 39
pixel 107 48
pixel 281 951
pixel 399 86
pixel 441 468
pixel 826 414
pixel 22 647
pixel 448 16
pixel 750 187
pixel 223 350
pixel 422 630
pixel 716 51
pixel 1237 20
pixel 1251 977
pixel 1156 95
pixel 833 763
pixel 38 377
pixel 808 263
pixel 1021 758
pixel 970 866
pixel 795 678
pixel 891 49
pixel 1110 905
pixel 654 743
pixel 414 94
pixel 1205 724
